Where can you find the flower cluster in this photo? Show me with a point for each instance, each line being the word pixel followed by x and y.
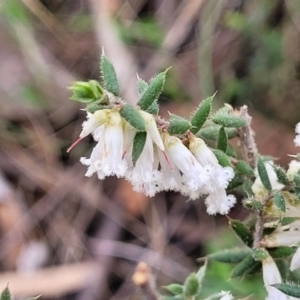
pixel 164 164
pixel 297 138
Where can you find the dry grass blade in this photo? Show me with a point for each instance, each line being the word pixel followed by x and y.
pixel 50 282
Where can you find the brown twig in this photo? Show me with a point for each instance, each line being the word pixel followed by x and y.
pixel 259 225
pixel 246 135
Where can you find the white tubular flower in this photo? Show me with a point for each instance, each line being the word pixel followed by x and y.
pixel 194 175
pixel 217 200
pixel 295 262
pixel 106 158
pixel 294 167
pixel 93 121
pixel 286 235
pixel 128 135
pixel 271 276
pixel 258 188
pixel 171 177
pixel 297 138
pixel 203 154
pixel 220 177
pixel 152 130
pixel 144 176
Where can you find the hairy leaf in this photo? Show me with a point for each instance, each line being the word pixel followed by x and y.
pixel 153 109
pixel 153 90
pixel 279 201
pixel 282 251
pixel 138 145
pixel 259 254
pixel 5 295
pixel 281 175
pixel 174 288
pixel 292 290
pixel 132 116
pixel 142 86
pixel 244 168
pixel 178 125
pixel 231 256
pixel 222 158
pixel 229 120
pixel 191 286
pixel 242 231
pixel 222 140
pixel 243 267
pixel 263 174
pixel 109 76
pixel 201 114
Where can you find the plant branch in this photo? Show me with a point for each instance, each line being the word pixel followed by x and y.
pixel 246 135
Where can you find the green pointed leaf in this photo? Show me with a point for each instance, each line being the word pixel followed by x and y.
pixel 284 268
pixel 259 254
pixel 296 180
pixel 241 231
pixel 254 269
pixel 229 121
pixel 109 76
pixel 243 267
pixel 191 286
pixel 174 288
pixel 288 289
pixel 279 201
pixel 224 111
pixel 231 256
pixel 211 132
pixel 254 204
pixel 94 107
pixel 288 220
pixel 263 174
pixel 5 295
pixel 235 182
pixel 178 125
pixel 297 191
pixel 281 252
pixel 138 145
pixel 142 86
pixel 230 150
pixel 222 140
pixel 244 168
pixel 222 158
pixel 231 133
pixel 201 114
pixel 153 109
pixel 281 175
pixel 153 91
pixel 201 273
pixel 247 187
pixel 132 116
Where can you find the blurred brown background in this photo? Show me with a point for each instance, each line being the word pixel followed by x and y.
pixel 70 237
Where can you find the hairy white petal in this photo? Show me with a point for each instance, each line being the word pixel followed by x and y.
pixel 271 276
